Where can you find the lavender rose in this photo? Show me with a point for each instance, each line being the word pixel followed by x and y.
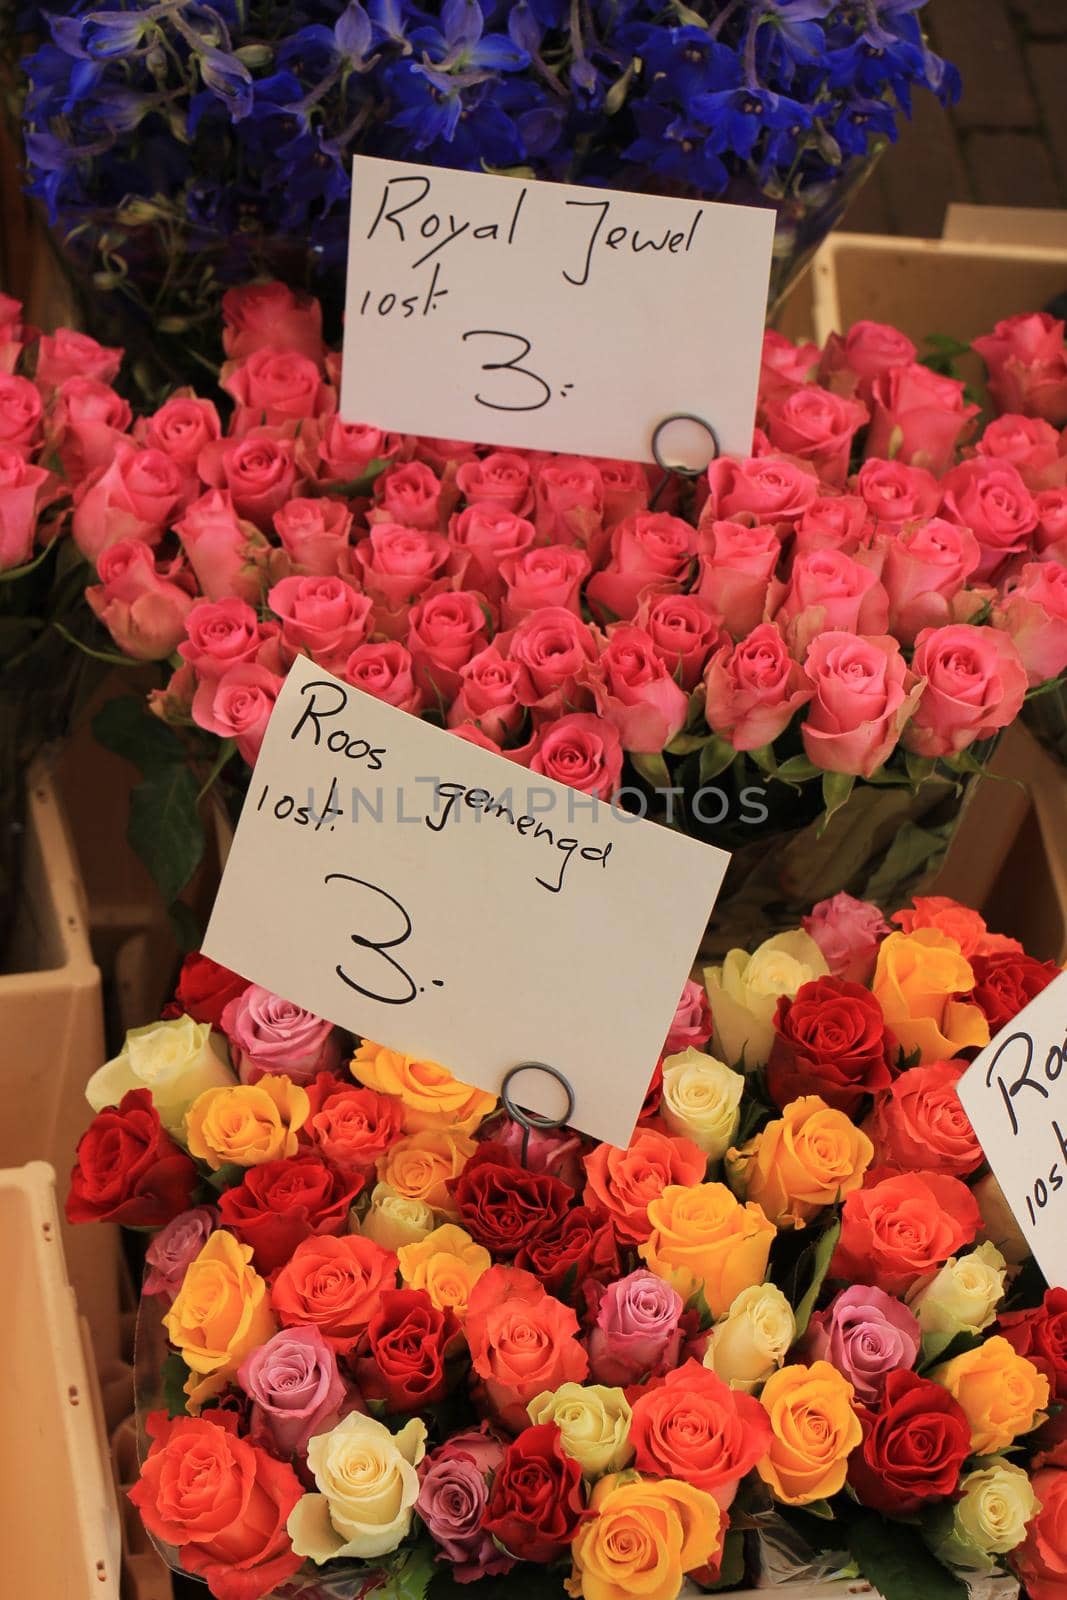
pixel 268 1034
pixel 636 1331
pixel 456 1479
pixel 295 1388
pixel 174 1246
pixel 866 1335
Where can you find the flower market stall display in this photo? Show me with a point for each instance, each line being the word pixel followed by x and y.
pixel 803 658
pixel 393 1339
pixel 181 147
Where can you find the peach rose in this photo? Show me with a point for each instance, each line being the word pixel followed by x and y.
pixel 522 1342
pixel 704 1239
pixel 814 1429
pixel 918 980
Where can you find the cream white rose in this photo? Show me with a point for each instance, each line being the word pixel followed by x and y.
pixel 593 1421
pixel 702 1100
pixel 175 1061
pixel 394 1219
pixel 367 1486
pixel 753 1338
pixel 989 1518
pixel 744 993
pixel 964 1295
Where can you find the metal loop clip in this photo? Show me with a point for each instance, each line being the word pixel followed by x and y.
pixel 680 470
pixel 529 1120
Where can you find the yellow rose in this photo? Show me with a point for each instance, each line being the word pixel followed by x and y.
pixel 744 993
pixel 447 1264
pixel 247 1124
pixel 964 1295
pixel 220 1315
pixel 995 1503
pixel 702 1101
pixel 395 1219
pixel 367 1486
pixel 430 1095
pixel 999 1225
pixel 420 1165
pixel 702 1237
pixel 175 1061
pixel 813 1430
pixel 753 1338
pixel 593 1422
pixel 1002 1394
pixel 641 1537
pixel 917 979
pixel 804 1161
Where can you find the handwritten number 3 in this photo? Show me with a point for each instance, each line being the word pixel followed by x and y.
pixel 380 946
pixel 511 365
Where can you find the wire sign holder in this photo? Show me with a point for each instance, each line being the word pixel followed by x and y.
pixel 529 1120
pixel 679 469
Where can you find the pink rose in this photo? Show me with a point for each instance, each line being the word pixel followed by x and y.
pixel 133 498
pixel 626 490
pixel 925 565
pixel 816 425
pixel 634 690
pixel 472 735
pixel 261 314
pixel 974 684
pixel 88 419
pixel 456 1480
pixel 1027 366
pixel 753 689
pixel 66 354
pixel 21 415
pixel 182 427
pixel 445 456
pixel 386 671
pixel 1050 537
pixel 324 617
pixel 895 493
pixel 555 1151
pixel 834 522
pixel 227 554
pixel 1033 612
pixel 768 487
pixel 174 1246
pixel 991 499
pixel 489 534
pixel 918 417
pixel 273 387
pixel 295 1387
pixel 554 647
pixel 784 367
pixel 551 575
pixel 489 694
pixel 22 491
pixel 12 333
pixel 268 1035
pixel 569 500
pixel 502 478
pixel 315 534
pixel 866 1334
pixel 863 696
pixel 683 631
pixel 636 1334
pixel 848 932
pixel 343 452
pixel 259 470
pixel 410 494
pixel 221 634
pixel 444 632
pixel 238 706
pixel 399 563
pixel 141 606
pixel 651 548
pixel 691 1028
pixel 582 751
pixel 829 592
pixel 850 365
pixel 1031 446
pixel 736 565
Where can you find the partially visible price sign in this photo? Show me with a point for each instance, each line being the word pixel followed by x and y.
pixel 1015 1094
pixel 515 312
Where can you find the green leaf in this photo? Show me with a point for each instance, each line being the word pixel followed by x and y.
pixel 165 828
pixel 127 728
pixel 732 1566
pixel 919 768
pixel 820 1266
pixel 409 1578
pixel 964 762
pixel 698 1303
pixel 897 1562
pixel 174 1374
pixel 716 756
pixel 938 1347
pixel 227 748
pixel 187 930
pixel 836 789
pixel 820 1508
pixel 651 766
pixel 683 744
pixel 798 769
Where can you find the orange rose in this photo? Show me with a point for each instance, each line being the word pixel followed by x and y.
pixel 421 1166
pixel 917 981
pixel 805 1160
pixel 622 1182
pixel 1002 1394
pixel 522 1342
pixel 704 1238
pixel 814 1429
pixel 958 922
pixel 430 1097
pixel 334 1285
pixel 903 1228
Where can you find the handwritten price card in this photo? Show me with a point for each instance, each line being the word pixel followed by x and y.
pixel 444 901
pixel 512 312
pixel 1015 1094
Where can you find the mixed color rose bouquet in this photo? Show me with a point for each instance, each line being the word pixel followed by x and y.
pixel 793 1309
pixel 181 147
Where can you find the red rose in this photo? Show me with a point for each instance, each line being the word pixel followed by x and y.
pixel 223 1502
pixel 693 1426
pixel 281 1203
pixel 408 1338
pixel 128 1169
pixel 1005 983
pixel 831 1040
pixel 920 1120
pixel 502 1206
pixel 580 1247
pixel 1040 1335
pixel 350 1126
pixel 913 1447
pixel 536 1501
pixel 901 1227
pixel 205 989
